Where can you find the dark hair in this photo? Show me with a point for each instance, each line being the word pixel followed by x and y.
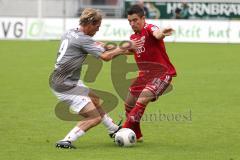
pixel 136 9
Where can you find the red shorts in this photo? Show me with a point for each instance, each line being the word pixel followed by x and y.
pixel 157 84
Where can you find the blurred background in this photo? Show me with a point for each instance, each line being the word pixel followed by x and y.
pixel 194 20
pixel 155 9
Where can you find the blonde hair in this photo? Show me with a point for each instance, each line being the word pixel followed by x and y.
pixel 90 16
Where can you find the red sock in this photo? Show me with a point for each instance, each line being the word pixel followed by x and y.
pixel 137 130
pixel 133 119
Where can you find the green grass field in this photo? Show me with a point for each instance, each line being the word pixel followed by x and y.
pixel 207 85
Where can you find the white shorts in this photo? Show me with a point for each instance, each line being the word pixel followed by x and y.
pixel 77 98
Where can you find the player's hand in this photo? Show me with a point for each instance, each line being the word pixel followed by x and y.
pixel 133 45
pixel 137 43
pixel 167 31
pixel 127 45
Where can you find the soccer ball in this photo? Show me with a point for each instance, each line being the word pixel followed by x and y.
pixel 125 137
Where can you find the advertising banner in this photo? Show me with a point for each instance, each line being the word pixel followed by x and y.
pixel 49 28
pixel 206 31
pixel 12 28
pixel 189 10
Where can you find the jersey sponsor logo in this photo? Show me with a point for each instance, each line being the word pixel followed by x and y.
pixel 140 46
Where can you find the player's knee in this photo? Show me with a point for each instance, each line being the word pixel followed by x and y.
pixel 96 101
pixel 145 97
pixel 144 100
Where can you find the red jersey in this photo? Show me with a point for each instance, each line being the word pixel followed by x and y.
pixel 151 54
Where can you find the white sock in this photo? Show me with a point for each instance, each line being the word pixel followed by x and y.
pixel 109 124
pixel 74 134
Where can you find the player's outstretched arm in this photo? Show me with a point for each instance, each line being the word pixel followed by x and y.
pixel 113 51
pixel 110 54
pixel 163 32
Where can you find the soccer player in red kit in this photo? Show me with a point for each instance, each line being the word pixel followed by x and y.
pixel 155 68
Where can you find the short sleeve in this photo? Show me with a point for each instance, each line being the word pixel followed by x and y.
pixel 88 45
pixel 151 28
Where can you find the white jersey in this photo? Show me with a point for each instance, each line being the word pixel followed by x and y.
pixel 75 46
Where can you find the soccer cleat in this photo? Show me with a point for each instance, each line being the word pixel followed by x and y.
pixel 65 145
pixel 112 135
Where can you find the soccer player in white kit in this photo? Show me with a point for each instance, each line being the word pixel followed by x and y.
pixel 65 81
